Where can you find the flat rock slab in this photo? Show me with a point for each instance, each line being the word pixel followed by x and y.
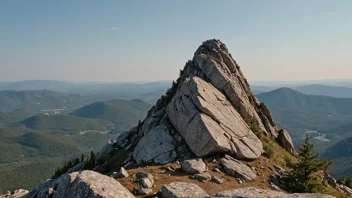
pixel 182 189
pixel 237 169
pixel 194 166
pixel 251 192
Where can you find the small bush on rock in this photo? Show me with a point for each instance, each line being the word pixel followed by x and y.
pixel 303 176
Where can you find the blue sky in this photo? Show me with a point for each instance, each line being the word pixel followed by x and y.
pixel 152 40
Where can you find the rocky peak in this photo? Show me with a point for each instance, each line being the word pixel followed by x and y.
pixel 209 109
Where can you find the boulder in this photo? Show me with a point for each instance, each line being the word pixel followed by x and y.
pixel 147 182
pixel 106 150
pixel 121 174
pixel 81 184
pixel 182 189
pixel 156 146
pixel 202 176
pixel 144 191
pixel 217 180
pixel 259 193
pixel 285 141
pixel 193 166
pixel 141 175
pixel 237 169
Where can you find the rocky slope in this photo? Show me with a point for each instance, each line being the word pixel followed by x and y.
pixel 208 120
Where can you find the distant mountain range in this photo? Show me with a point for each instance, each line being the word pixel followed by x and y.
pixel 324 90
pixel 66 123
pixel 287 98
pixel 123 113
pixel 37 100
pixel 99 91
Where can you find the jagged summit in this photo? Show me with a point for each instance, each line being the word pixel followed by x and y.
pixel 209 109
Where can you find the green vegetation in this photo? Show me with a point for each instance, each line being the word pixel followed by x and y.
pixel 302 178
pixel 29 157
pixel 65 123
pixel 64 168
pixel 36 100
pixel 287 98
pixel 6 118
pixel 347 181
pixel 123 113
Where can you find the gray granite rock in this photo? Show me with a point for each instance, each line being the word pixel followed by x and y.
pixel 144 191
pixel 209 123
pixel 181 190
pixel 237 169
pixel 193 166
pixel 81 184
pixel 106 150
pixel 217 180
pixel 156 146
pixel 202 177
pixel 285 141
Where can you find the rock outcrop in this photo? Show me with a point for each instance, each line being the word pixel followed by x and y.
pixel 285 141
pixel 106 150
pixel 209 109
pixel 81 184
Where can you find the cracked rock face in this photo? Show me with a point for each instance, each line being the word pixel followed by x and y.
pixel 157 146
pixel 209 109
pixel 209 123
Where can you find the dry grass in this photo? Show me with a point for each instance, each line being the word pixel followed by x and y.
pixel 264 166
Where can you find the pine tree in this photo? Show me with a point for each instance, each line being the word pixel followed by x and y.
pixel 302 177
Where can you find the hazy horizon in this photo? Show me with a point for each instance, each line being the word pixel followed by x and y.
pixel 116 41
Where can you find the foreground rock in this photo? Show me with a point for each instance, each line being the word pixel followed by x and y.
pixel 237 169
pixel 285 141
pixel 84 184
pixel 260 193
pixel 193 166
pixel 15 194
pixel 182 189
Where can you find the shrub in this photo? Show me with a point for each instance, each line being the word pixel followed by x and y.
pixel 268 151
pixel 303 178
